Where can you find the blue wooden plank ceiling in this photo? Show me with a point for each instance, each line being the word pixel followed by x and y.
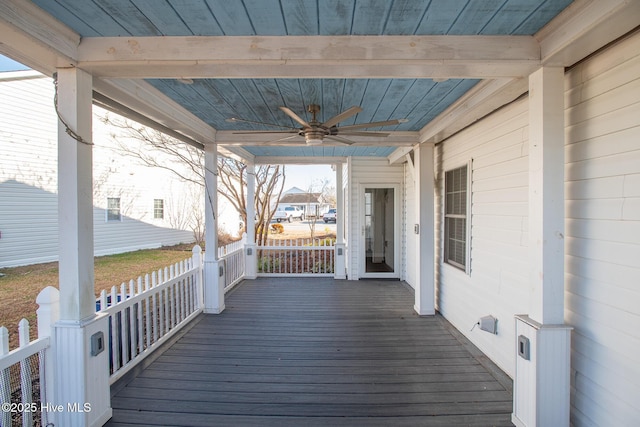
pixel 214 100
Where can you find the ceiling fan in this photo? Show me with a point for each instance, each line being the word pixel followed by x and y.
pixel 314 132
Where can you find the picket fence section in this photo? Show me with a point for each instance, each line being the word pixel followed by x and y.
pixel 232 255
pixel 148 311
pixel 297 257
pixel 24 384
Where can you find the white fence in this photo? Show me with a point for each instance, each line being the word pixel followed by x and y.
pixel 149 310
pixel 24 381
pixel 297 257
pixel 234 262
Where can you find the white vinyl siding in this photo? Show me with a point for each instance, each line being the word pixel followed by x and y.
pixel 498 283
pixel 602 267
pixel 602 233
pixel 29 182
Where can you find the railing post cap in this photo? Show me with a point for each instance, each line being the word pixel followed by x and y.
pixel 48 295
pixel 197 249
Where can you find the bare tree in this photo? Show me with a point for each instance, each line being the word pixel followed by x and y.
pixel 232 174
pixel 269 179
pixel 318 191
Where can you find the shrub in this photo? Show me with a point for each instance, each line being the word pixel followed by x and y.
pixel 277 228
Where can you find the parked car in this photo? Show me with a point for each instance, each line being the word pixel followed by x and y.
pixel 329 216
pixel 288 213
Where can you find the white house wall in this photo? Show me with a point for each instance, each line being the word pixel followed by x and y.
pixel 602 246
pixel 602 264
pixel 497 284
pixel 28 182
pixel 367 170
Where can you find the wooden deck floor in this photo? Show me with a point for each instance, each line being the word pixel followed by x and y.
pixel 317 352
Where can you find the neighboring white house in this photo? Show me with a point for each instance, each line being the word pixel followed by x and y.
pixel 135 206
pixel 308 202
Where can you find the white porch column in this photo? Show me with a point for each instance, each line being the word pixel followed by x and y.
pixel 213 268
pixel 425 287
pixel 82 371
pixel 251 259
pixel 546 195
pixel 541 383
pixel 341 249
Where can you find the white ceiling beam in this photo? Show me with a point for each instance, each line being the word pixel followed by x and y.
pixel 482 99
pixel 584 27
pixel 230 138
pixel 310 56
pixel 295 160
pixel 236 153
pixel 34 38
pixel 399 155
pixel 140 96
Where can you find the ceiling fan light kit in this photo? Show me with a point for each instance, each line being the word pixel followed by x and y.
pixel 314 132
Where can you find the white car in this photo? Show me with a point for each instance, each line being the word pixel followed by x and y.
pixel 329 216
pixel 288 213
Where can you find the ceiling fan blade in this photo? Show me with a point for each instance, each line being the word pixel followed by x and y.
pixel 349 133
pixel 370 125
pixel 342 116
pixel 237 120
pixel 294 116
pixel 280 139
pixel 338 139
pixel 252 132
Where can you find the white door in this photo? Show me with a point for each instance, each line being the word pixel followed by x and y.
pixel 379 231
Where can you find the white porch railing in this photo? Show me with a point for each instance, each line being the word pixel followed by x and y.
pixel 149 311
pixel 297 257
pixel 234 262
pixel 24 372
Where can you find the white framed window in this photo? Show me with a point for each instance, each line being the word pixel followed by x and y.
pixel 113 209
pixel 158 208
pixel 457 196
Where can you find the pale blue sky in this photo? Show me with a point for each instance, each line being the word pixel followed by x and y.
pixel 7 64
pixel 303 176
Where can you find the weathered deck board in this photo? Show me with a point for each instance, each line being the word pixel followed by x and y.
pixel 317 352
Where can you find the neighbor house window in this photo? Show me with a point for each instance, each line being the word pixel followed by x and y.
pixel 158 208
pixel 455 217
pixel 113 209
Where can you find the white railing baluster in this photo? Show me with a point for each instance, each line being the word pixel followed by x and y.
pixel 26 383
pixel 133 344
pixel 5 378
pixel 154 307
pixel 114 332
pixel 140 319
pixel 147 312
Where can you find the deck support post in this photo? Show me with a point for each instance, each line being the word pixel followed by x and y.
pixel 81 374
pixel 425 286
pixel 541 384
pixel 213 268
pixel 250 248
pixel 340 256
